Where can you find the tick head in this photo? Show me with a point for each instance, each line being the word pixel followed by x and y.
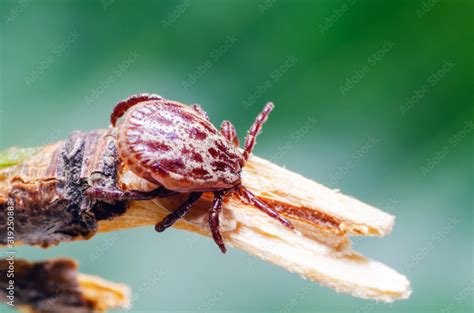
pixel 232 177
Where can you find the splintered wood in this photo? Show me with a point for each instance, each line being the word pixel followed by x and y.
pixel 318 249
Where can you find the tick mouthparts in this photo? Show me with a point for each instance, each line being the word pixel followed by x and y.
pixel 233 182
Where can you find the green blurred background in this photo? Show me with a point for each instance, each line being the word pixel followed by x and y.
pixel 372 97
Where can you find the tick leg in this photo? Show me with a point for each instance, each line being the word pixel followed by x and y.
pixel 262 206
pixel 116 194
pixel 196 107
pixel 169 220
pixel 255 130
pixel 229 132
pixel 124 105
pixel 214 220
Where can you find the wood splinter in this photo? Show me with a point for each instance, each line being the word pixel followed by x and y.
pixel 319 249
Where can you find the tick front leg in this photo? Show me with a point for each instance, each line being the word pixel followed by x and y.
pixel 115 194
pixel 196 107
pixel 250 140
pixel 178 213
pixel 229 132
pixel 214 221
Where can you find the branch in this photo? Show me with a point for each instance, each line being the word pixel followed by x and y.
pixel 318 250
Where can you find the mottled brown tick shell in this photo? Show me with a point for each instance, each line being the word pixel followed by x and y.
pixel 171 144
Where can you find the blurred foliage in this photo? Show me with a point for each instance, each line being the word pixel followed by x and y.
pixel 14 156
pixel 372 97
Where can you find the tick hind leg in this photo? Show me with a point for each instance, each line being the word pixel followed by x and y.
pixel 248 196
pixel 124 105
pixel 214 221
pixel 229 132
pixel 115 194
pixel 169 220
pixel 250 140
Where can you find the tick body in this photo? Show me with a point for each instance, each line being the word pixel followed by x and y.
pixel 177 148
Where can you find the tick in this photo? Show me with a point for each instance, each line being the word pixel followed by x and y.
pixel 177 148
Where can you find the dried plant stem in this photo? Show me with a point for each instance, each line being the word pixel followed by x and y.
pixel 55 286
pixel 318 249
pixel 101 294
